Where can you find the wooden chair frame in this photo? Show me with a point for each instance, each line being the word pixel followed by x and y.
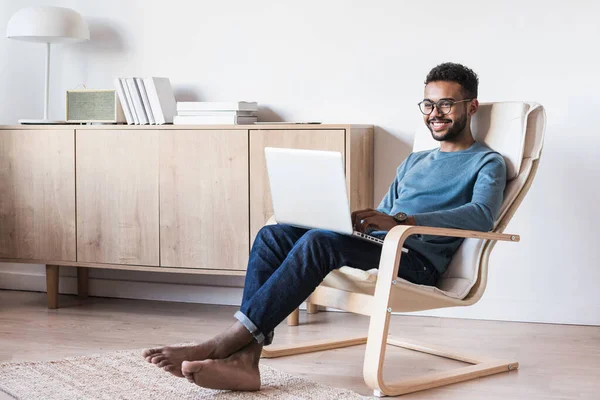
pixel 379 308
pixel 377 338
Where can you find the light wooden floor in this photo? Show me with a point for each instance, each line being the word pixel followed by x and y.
pixel 557 361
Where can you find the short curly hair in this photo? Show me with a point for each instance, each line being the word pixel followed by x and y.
pixel 452 72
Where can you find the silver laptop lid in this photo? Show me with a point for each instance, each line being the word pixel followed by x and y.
pixel 309 189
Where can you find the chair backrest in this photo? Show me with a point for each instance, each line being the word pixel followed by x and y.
pixel 515 130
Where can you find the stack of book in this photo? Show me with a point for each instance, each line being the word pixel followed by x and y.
pixel 146 100
pixel 215 113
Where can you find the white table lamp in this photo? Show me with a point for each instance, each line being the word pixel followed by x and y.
pixel 47 24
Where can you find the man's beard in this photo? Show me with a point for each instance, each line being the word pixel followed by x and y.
pixel 455 130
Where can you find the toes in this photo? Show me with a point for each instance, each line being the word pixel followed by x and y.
pixel 157 359
pixel 149 352
pixel 192 367
pixel 189 377
pixel 163 363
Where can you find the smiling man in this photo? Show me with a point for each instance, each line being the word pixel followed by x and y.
pixel 458 185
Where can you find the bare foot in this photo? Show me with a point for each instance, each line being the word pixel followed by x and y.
pixel 236 372
pixel 170 358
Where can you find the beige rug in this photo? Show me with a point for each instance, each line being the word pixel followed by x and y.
pixel 126 375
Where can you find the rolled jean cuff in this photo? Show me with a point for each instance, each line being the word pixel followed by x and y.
pixel 253 329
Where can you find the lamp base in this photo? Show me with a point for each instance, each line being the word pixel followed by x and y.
pixel 41 122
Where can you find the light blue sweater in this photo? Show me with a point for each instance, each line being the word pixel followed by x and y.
pixel 461 189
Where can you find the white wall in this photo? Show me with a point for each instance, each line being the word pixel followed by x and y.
pixel 359 62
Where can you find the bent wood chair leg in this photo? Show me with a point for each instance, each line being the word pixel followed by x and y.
pixel 52 285
pixel 481 367
pixel 294 318
pixel 83 282
pixel 312 346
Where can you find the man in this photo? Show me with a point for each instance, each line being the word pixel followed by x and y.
pixel 460 185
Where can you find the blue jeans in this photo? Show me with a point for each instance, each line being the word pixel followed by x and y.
pixel 287 264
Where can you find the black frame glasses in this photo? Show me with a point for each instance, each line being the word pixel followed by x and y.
pixel 443 106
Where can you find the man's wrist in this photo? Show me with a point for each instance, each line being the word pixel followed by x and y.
pixel 400 218
pixel 404 219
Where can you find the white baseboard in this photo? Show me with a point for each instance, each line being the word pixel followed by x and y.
pixel 103 286
pixel 220 295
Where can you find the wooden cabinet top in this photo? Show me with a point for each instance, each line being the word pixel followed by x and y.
pixel 189 127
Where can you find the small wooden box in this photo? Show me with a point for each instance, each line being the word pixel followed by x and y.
pixel 94 106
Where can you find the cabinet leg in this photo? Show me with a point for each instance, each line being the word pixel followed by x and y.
pixel 311 308
pixel 294 318
pixel 82 282
pixel 52 285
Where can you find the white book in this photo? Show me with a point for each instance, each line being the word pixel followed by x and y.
pixel 124 102
pixel 218 113
pixel 137 101
pixel 134 116
pixel 212 120
pixel 161 98
pixel 140 85
pixel 217 106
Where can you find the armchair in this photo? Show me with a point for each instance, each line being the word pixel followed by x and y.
pixel 515 130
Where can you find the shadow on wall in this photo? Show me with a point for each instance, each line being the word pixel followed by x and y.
pixel 186 93
pixel 106 38
pixel 266 114
pixel 390 152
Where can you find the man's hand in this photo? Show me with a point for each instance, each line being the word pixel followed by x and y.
pixel 370 220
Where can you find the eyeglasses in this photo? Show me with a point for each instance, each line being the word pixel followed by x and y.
pixel 443 106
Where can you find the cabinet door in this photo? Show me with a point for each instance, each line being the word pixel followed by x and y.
pixel 204 219
pixel 37 194
pixel 261 208
pixel 117 196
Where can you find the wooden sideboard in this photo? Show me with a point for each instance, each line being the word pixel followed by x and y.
pixel 171 198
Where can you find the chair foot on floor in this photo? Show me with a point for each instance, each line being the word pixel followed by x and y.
pixel 312 346
pixel 480 367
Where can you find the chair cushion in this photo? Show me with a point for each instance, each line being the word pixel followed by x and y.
pixel 359 281
pixel 502 127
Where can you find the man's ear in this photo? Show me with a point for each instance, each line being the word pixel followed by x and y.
pixel 473 107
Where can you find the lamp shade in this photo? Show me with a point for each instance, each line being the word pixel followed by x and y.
pixel 47 24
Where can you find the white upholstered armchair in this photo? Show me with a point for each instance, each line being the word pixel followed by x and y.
pixel 515 130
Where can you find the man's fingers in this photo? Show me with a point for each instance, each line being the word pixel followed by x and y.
pixel 362 215
pixel 366 223
pixel 354 215
pixel 370 228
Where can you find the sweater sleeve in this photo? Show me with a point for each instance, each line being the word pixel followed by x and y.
pixel 387 203
pixel 479 214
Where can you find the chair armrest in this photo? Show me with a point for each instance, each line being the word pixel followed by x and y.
pixel 394 241
pixel 407 230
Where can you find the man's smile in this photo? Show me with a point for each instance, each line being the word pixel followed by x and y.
pixel 439 124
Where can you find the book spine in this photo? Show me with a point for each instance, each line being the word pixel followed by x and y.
pixel 129 98
pixel 215 106
pixel 137 101
pixel 140 85
pixel 155 105
pixel 218 113
pixel 212 120
pixel 123 101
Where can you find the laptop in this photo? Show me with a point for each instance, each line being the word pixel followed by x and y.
pixel 308 188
